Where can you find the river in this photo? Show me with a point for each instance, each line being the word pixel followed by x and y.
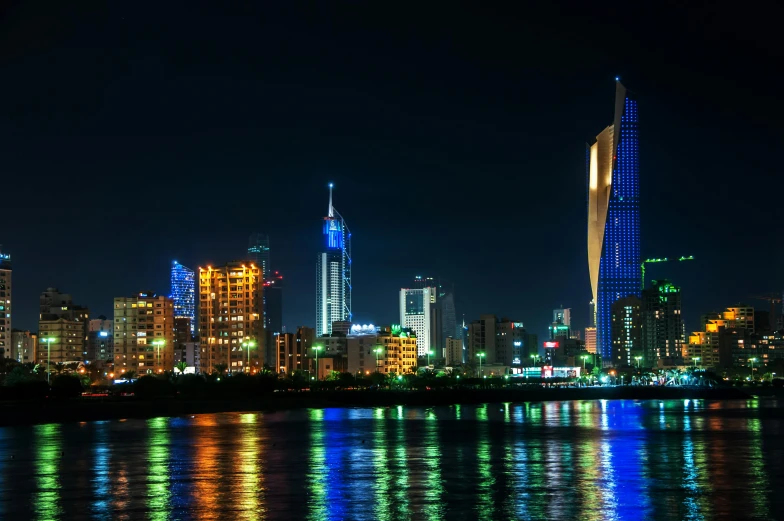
pixel 586 460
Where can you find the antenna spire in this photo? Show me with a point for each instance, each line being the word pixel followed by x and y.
pixel 331 210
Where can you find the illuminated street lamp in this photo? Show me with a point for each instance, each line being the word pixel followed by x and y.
pixel 317 349
pixel 481 355
pixel 250 344
pixel 638 358
pixel 752 360
pixel 158 344
pixel 48 341
pixel 696 359
pixel 536 358
pixel 430 352
pixel 584 357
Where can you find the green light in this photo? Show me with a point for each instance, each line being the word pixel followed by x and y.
pixel 396 329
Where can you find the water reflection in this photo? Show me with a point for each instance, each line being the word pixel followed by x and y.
pixel 560 460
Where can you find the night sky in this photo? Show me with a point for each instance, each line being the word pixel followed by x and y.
pixel 136 133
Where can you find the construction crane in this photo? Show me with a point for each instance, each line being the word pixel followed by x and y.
pixel 665 259
pixel 773 301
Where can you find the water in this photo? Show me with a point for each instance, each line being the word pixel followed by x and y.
pixel 560 460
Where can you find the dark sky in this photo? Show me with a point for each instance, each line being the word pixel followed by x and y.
pixel 135 133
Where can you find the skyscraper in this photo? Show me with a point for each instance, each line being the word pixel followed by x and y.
pixel 626 330
pixel 259 252
pixel 417 312
pixel 614 216
pixel 143 336
pixel 231 325
pixel 65 325
pixel 334 272
pixel 663 331
pixel 5 305
pixel 183 293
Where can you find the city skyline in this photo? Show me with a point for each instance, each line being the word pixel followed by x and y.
pixel 441 157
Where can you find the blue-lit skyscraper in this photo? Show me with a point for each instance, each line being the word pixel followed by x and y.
pixel 183 293
pixel 334 272
pixel 259 252
pixel 614 216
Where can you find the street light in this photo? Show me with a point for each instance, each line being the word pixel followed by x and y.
pixel 378 351
pixel 248 346
pixel 481 355
pixel 48 341
pixel 584 357
pixel 752 360
pixel 535 357
pixel 638 358
pixel 158 344
pixel 430 352
pixel 696 359
pixel 317 349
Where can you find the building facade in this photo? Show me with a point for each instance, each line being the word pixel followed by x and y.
pixel 590 340
pixel 333 273
pixel 626 331
pixel 392 350
pixel 500 341
pixel 24 346
pixel 62 328
pixel 614 216
pixel 259 252
pixel 183 293
pixel 417 312
pixel 663 330
pixel 453 352
pixel 6 342
pixel 143 334
pixel 100 341
pixel 231 324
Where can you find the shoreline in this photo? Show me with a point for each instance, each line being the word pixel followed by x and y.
pixel 99 409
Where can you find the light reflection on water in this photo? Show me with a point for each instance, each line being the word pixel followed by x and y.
pixel 592 460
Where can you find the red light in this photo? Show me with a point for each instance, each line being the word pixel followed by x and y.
pixel 551 344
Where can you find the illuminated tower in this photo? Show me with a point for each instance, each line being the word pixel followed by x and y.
pixel 183 293
pixel 614 216
pixel 334 273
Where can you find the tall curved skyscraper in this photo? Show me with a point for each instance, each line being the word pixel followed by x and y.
pixel 614 216
pixel 334 272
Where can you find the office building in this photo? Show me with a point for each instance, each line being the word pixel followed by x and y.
pixel 181 333
pixel 614 216
pixel 333 273
pixel 231 325
pixel 590 340
pixel 62 328
pixel 418 312
pixel 259 253
pixel 24 345
pixel 502 341
pixel 183 293
pixel 143 334
pixel 663 330
pixel 626 331
pixel 6 341
pixel 728 339
pixel 563 316
pixel 453 352
pixel 100 341
pixel 273 311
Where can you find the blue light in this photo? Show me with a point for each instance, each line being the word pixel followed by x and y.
pixel 617 78
pixel 183 293
pixel 103 333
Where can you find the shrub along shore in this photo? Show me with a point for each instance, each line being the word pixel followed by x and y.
pixel 151 400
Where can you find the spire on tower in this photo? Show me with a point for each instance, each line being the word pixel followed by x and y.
pixel 331 210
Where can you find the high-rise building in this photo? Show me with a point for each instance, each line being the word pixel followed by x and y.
pixel 143 334
pixel 418 312
pixel 24 346
pixel 100 341
pixel 391 350
pixel 502 341
pixel 449 325
pixel 590 339
pixel 453 352
pixel 62 328
pixel 183 293
pixel 6 341
pixel 663 331
pixel 626 331
pixel 231 325
pixel 728 339
pixel 273 311
pixel 563 316
pixel 181 333
pixel 259 252
pixel 334 272
pixel 614 216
